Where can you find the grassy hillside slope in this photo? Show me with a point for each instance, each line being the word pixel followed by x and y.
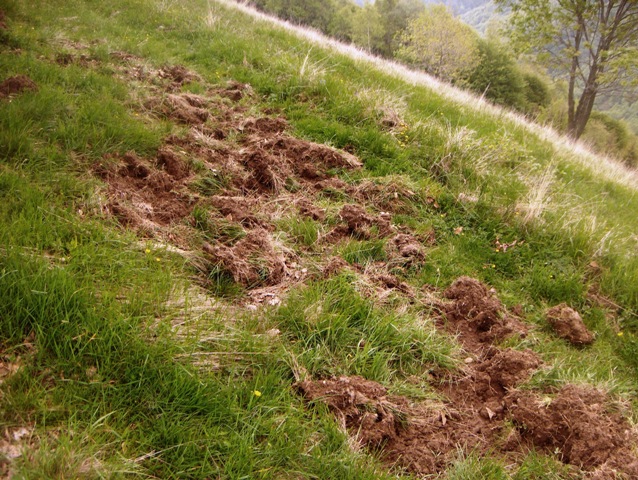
pixel 203 216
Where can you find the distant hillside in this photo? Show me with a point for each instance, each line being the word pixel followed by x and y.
pixel 462 7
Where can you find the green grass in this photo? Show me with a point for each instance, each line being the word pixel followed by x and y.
pixel 119 380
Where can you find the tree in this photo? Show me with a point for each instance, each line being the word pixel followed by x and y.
pixel 316 13
pixel 440 44
pixel 593 43
pixel 366 29
pixel 395 15
pixel 497 76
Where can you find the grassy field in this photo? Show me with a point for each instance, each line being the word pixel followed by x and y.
pixel 137 339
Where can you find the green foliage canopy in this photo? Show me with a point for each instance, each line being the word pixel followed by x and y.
pixel 497 76
pixel 440 44
pixel 594 44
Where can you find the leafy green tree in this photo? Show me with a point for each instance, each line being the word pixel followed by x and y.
pixel 537 95
pixel 366 28
pixel 497 76
pixel 440 44
pixel 341 24
pixel 593 43
pixel 395 16
pixel 315 13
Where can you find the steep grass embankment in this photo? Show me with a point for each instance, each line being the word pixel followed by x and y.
pixel 205 216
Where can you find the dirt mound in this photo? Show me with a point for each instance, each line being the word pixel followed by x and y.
pixel 568 325
pixel 477 314
pixel 252 261
pixel 308 209
pixel 16 85
pixel 172 163
pixel 334 266
pixel 392 197
pixel 264 125
pixel 303 154
pixel 185 108
pixel 169 78
pixel 389 281
pixel 407 247
pixel 481 403
pixel 238 209
pixel 83 60
pixel 142 196
pixel 578 424
pixel 359 224
pixel 235 91
pixel 266 174
pixel 360 406
pixel 273 164
pixel 421 439
pixel 178 75
pixel 488 380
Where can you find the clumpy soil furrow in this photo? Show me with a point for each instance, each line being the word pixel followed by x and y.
pixel 233 176
pixel 483 401
pixel 245 172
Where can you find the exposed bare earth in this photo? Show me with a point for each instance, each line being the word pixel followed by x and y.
pixel 219 190
pixel 567 324
pixel 483 402
pixel 232 176
pixel 16 85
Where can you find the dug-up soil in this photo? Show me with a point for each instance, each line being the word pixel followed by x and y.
pixel 483 412
pixel 232 175
pixel 16 85
pixel 568 325
pixel 242 173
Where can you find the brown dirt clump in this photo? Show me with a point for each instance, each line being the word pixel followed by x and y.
pixel 142 196
pixel 16 85
pixel 360 405
pixel 407 247
pixel 235 91
pixel 272 163
pixel 303 155
pixel 185 108
pixel 568 325
pixel 392 282
pixel 3 18
pixel 252 261
pixel 421 439
pixel 238 209
pixel 359 224
pixel 577 423
pixel 172 163
pixel 334 266
pixel 308 209
pixel 477 314
pixel 487 381
pixel 178 75
pixel 264 125
pixel 480 406
pixel 266 174
pixel 392 197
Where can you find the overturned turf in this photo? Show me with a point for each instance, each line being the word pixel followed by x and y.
pixel 481 404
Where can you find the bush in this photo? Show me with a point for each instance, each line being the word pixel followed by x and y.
pixel 497 76
pixel 536 93
pixel 610 136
